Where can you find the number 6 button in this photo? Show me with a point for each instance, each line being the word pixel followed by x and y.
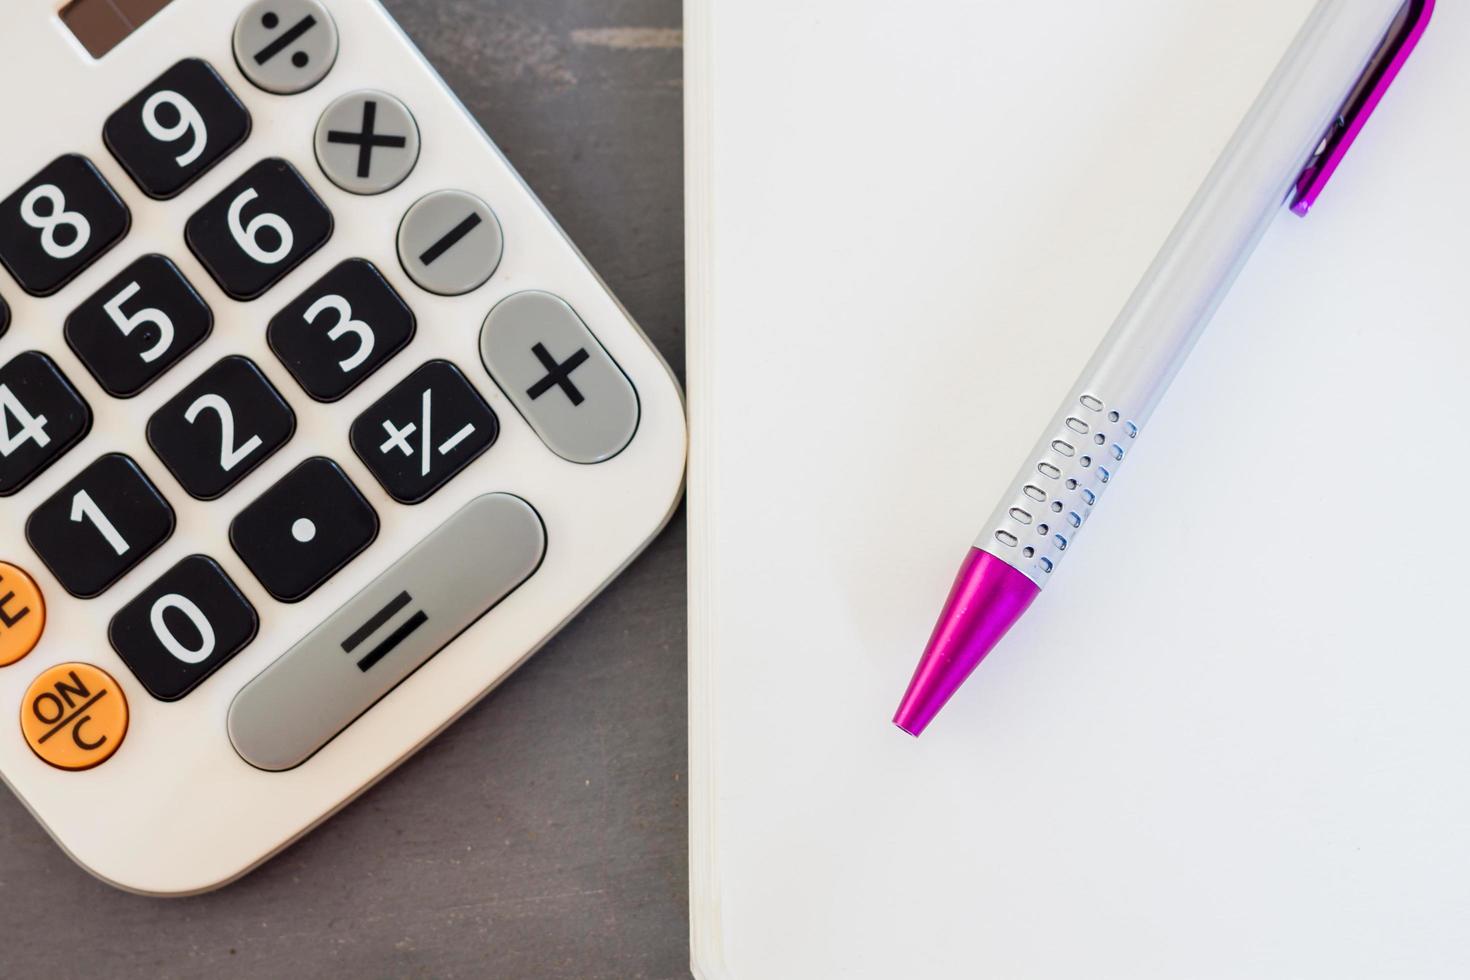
pixel 59 223
pixel 174 130
pixel 218 429
pixel 100 525
pixel 258 229
pixel 183 628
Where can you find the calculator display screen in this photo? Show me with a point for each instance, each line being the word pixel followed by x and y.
pixel 102 25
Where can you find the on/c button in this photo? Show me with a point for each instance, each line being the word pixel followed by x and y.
pixel 22 614
pixel 74 716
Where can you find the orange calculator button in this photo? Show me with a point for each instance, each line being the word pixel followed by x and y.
pixel 22 614
pixel 74 716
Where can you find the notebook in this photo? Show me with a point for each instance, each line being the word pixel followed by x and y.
pixel 1230 739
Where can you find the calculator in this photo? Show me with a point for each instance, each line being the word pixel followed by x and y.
pixel 313 423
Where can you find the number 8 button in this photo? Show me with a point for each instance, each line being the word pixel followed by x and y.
pixel 59 223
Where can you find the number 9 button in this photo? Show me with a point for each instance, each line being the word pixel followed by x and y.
pixel 174 130
pixel 58 223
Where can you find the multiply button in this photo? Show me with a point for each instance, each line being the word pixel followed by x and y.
pixel 22 614
pixel 387 631
pixel 74 716
pixel 559 377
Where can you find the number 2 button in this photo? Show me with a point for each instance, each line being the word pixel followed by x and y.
pixel 174 130
pixel 98 526
pixel 59 223
pixel 341 330
pixel 138 326
pixel 258 229
pixel 218 429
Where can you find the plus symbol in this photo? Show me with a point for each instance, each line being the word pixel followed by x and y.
pixel 367 140
pixel 557 375
pixel 397 438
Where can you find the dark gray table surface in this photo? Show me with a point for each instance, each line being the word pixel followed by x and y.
pixel 544 834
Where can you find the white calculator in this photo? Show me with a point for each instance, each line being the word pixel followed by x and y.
pixel 313 424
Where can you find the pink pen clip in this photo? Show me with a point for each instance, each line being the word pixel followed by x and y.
pixel 1401 41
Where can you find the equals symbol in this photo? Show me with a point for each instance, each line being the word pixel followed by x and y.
pixel 376 622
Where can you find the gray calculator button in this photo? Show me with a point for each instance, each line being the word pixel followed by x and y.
pixel 285 46
pixel 367 142
pixel 450 242
pixel 387 631
pixel 559 377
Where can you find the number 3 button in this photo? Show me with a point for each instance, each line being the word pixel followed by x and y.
pixel 174 130
pixel 183 628
pixel 138 326
pixel 258 229
pixel 218 429
pixel 59 223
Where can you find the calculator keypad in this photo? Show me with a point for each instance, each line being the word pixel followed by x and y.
pixel 98 526
pixel 342 329
pixel 450 242
pixel 426 430
pixel 138 326
pixel 259 228
pixel 303 530
pixel 367 142
pixel 59 222
pixel 183 628
pixel 285 46
pixel 177 128
pixel 41 417
pixel 220 427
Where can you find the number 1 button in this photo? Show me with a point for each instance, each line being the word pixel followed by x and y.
pixel 100 525
pixel 59 223
pixel 178 127
pixel 258 229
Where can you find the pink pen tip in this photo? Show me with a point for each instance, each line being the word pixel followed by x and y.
pixel 987 598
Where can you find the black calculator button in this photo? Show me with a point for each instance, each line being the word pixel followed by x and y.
pixel 138 326
pixel 4 316
pixel 220 427
pixel 421 434
pixel 259 228
pixel 59 223
pixel 100 525
pixel 178 127
pixel 41 417
pixel 303 530
pixel 183 628
pixel 342 329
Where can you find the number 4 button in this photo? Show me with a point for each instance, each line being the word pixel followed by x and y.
pixel 100 525
pixel 183 628
pixel 138 326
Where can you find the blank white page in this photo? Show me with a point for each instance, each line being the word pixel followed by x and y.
pixel 1231 738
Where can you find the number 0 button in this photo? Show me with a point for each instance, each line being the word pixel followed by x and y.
pixel 59 223
pixel 218 429
pixel 183 628
pixel 178 127
pixel 100 525
pixel 258 229
pixel 138 326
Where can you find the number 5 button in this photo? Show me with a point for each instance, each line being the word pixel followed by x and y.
pixel 178 127
pixel 258 229
pixel 138 326
pixel 59 223
pixel 100 525
pixel 183 628
pixel 218 429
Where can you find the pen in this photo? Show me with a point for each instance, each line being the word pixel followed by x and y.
pixel 1329 82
